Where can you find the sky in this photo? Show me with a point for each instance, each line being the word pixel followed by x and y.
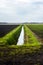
pixel 15 11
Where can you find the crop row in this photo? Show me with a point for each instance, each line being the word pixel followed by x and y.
pixel 12 37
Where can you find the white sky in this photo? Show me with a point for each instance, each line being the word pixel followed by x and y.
pixel 21 11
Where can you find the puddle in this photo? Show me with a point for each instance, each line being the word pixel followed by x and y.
pixel 21 37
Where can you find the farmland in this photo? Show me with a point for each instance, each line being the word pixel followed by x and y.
pixel 30 53
pixel 38 30
pixel 4 29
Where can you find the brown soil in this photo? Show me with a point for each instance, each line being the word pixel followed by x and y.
pixel 39 38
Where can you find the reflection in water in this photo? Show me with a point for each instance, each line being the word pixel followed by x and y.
pixel 21 37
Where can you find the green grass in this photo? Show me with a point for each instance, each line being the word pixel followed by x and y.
pixel 12 37
pixel 30 38
pixel 38 29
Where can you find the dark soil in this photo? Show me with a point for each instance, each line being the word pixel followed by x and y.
pixel 4 29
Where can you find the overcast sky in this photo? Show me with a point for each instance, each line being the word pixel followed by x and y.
pixel 21 11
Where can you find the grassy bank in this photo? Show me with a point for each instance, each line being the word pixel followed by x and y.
pixel 12 37
pixel 30 38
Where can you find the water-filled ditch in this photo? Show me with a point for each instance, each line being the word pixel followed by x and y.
pixel 21 37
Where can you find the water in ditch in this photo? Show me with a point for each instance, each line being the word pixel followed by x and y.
pixel 21 37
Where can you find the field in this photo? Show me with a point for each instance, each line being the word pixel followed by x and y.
pixel 30 53
pixel 38 30
pixel 4 29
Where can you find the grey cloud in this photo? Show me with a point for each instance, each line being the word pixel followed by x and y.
pixel 19 12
